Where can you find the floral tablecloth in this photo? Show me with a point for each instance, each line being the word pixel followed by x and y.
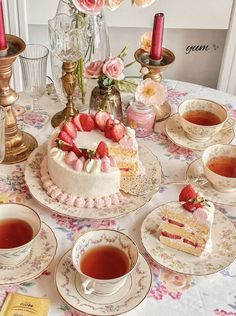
pixel 171 293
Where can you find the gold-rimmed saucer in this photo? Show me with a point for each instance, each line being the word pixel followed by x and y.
pixel 177 135
pixel 195 175
pixel 130 296
pixel 131 203
pixel 41 255
pixel 223 236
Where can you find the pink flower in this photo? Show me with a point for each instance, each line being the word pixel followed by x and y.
pixel 143 3
pixel 145 41
pixel 150 92
pixel 113 4
pixel 92 7
pixel 174 281
pixel 113 68
pixel 94 69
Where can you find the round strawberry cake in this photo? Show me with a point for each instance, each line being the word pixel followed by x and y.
pixel 85 159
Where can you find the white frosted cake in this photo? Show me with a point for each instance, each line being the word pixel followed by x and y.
pixel 85 158
pixel 187 226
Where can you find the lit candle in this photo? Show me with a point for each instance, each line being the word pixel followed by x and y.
pixel 3 41
pixel 157 37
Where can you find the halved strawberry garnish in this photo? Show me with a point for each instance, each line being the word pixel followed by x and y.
pixel 77 123
pixel 169 235
pixel 65 147
pixel 87 122
pixel 102 150
pixel 117 132
pixel 189 206
pixel 187 193
pixel 70 129
pixel 108 127
pixel 65 138
pixel 77 151
pixel 101 118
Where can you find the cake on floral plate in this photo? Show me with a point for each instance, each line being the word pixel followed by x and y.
pixel 188 227
pixel 85 159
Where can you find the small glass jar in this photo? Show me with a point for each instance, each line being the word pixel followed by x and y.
pixel 142 118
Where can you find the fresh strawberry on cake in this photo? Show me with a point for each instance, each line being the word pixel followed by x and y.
pixel 187 227
pixel 85 158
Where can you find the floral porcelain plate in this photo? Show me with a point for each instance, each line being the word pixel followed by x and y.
pixel 128 297
pixel 196 176
pixel 221 256
pixel 41 255
pixel 132 202
pixel 177 135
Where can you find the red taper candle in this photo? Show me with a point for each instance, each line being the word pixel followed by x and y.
pixel 3 40
pixel 157 37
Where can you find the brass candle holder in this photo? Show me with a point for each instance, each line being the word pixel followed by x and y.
pixel 154 71
pixel 68 81
pixel 18 144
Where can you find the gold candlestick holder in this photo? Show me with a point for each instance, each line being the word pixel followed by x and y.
pixel 154 71
pixel 68 81
pixel 18 144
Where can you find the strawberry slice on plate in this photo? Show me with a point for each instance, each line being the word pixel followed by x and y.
pixel 117 132
pixel 102 150
pixel 101 118
pixel 70 129
pixel 87 122
pixel 187 193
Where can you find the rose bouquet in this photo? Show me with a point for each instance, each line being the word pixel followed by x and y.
pixel 93 7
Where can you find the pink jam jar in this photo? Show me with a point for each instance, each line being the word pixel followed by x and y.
pixel 141 118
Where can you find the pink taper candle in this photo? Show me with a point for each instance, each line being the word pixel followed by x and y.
pixel 3 41
pixel 157 36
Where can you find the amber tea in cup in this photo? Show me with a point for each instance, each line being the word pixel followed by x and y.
pixel 14 233
pixel 224 166
pixel 204 118
pixel 104 262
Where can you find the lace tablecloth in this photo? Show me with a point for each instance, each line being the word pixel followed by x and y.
pixel 171 293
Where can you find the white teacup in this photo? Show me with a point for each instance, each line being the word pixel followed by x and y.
pixel 104 238
pixel 202 133
pixel 217 153
pixel 13 212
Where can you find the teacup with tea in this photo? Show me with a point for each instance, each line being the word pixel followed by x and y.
pixel 19 228
pixel 201 119
pixel 104 259
pixel 219 164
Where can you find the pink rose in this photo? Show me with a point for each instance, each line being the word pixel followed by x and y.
pixel 113 4
pixel 113 68
pixel 94 69
pixel 92 7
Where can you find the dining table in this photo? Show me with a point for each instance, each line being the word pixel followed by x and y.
pixel 170 292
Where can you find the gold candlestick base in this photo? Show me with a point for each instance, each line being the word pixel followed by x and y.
pixel 68 81
pixel 18 144
pixel 155 73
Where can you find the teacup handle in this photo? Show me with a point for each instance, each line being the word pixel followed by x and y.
pixel 230 123
pixel 85 286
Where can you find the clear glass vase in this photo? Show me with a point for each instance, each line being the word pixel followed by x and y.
pixel 98 48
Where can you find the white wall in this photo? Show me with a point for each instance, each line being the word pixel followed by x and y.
pixel 187 23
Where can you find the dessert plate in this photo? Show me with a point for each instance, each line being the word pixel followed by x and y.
pixel 196 176
pixel 223 246
pixel 177 135
pixel 41 255
pixel 131 294
pixel 132 202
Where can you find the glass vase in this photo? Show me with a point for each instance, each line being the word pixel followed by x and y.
pixel 106 99
pixel 98 48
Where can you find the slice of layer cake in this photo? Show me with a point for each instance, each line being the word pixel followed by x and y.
pixel 187 227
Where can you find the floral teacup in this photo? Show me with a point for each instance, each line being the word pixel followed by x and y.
pixel 198 132
pixel 17 217
pixel 104 238
pixel 224 158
